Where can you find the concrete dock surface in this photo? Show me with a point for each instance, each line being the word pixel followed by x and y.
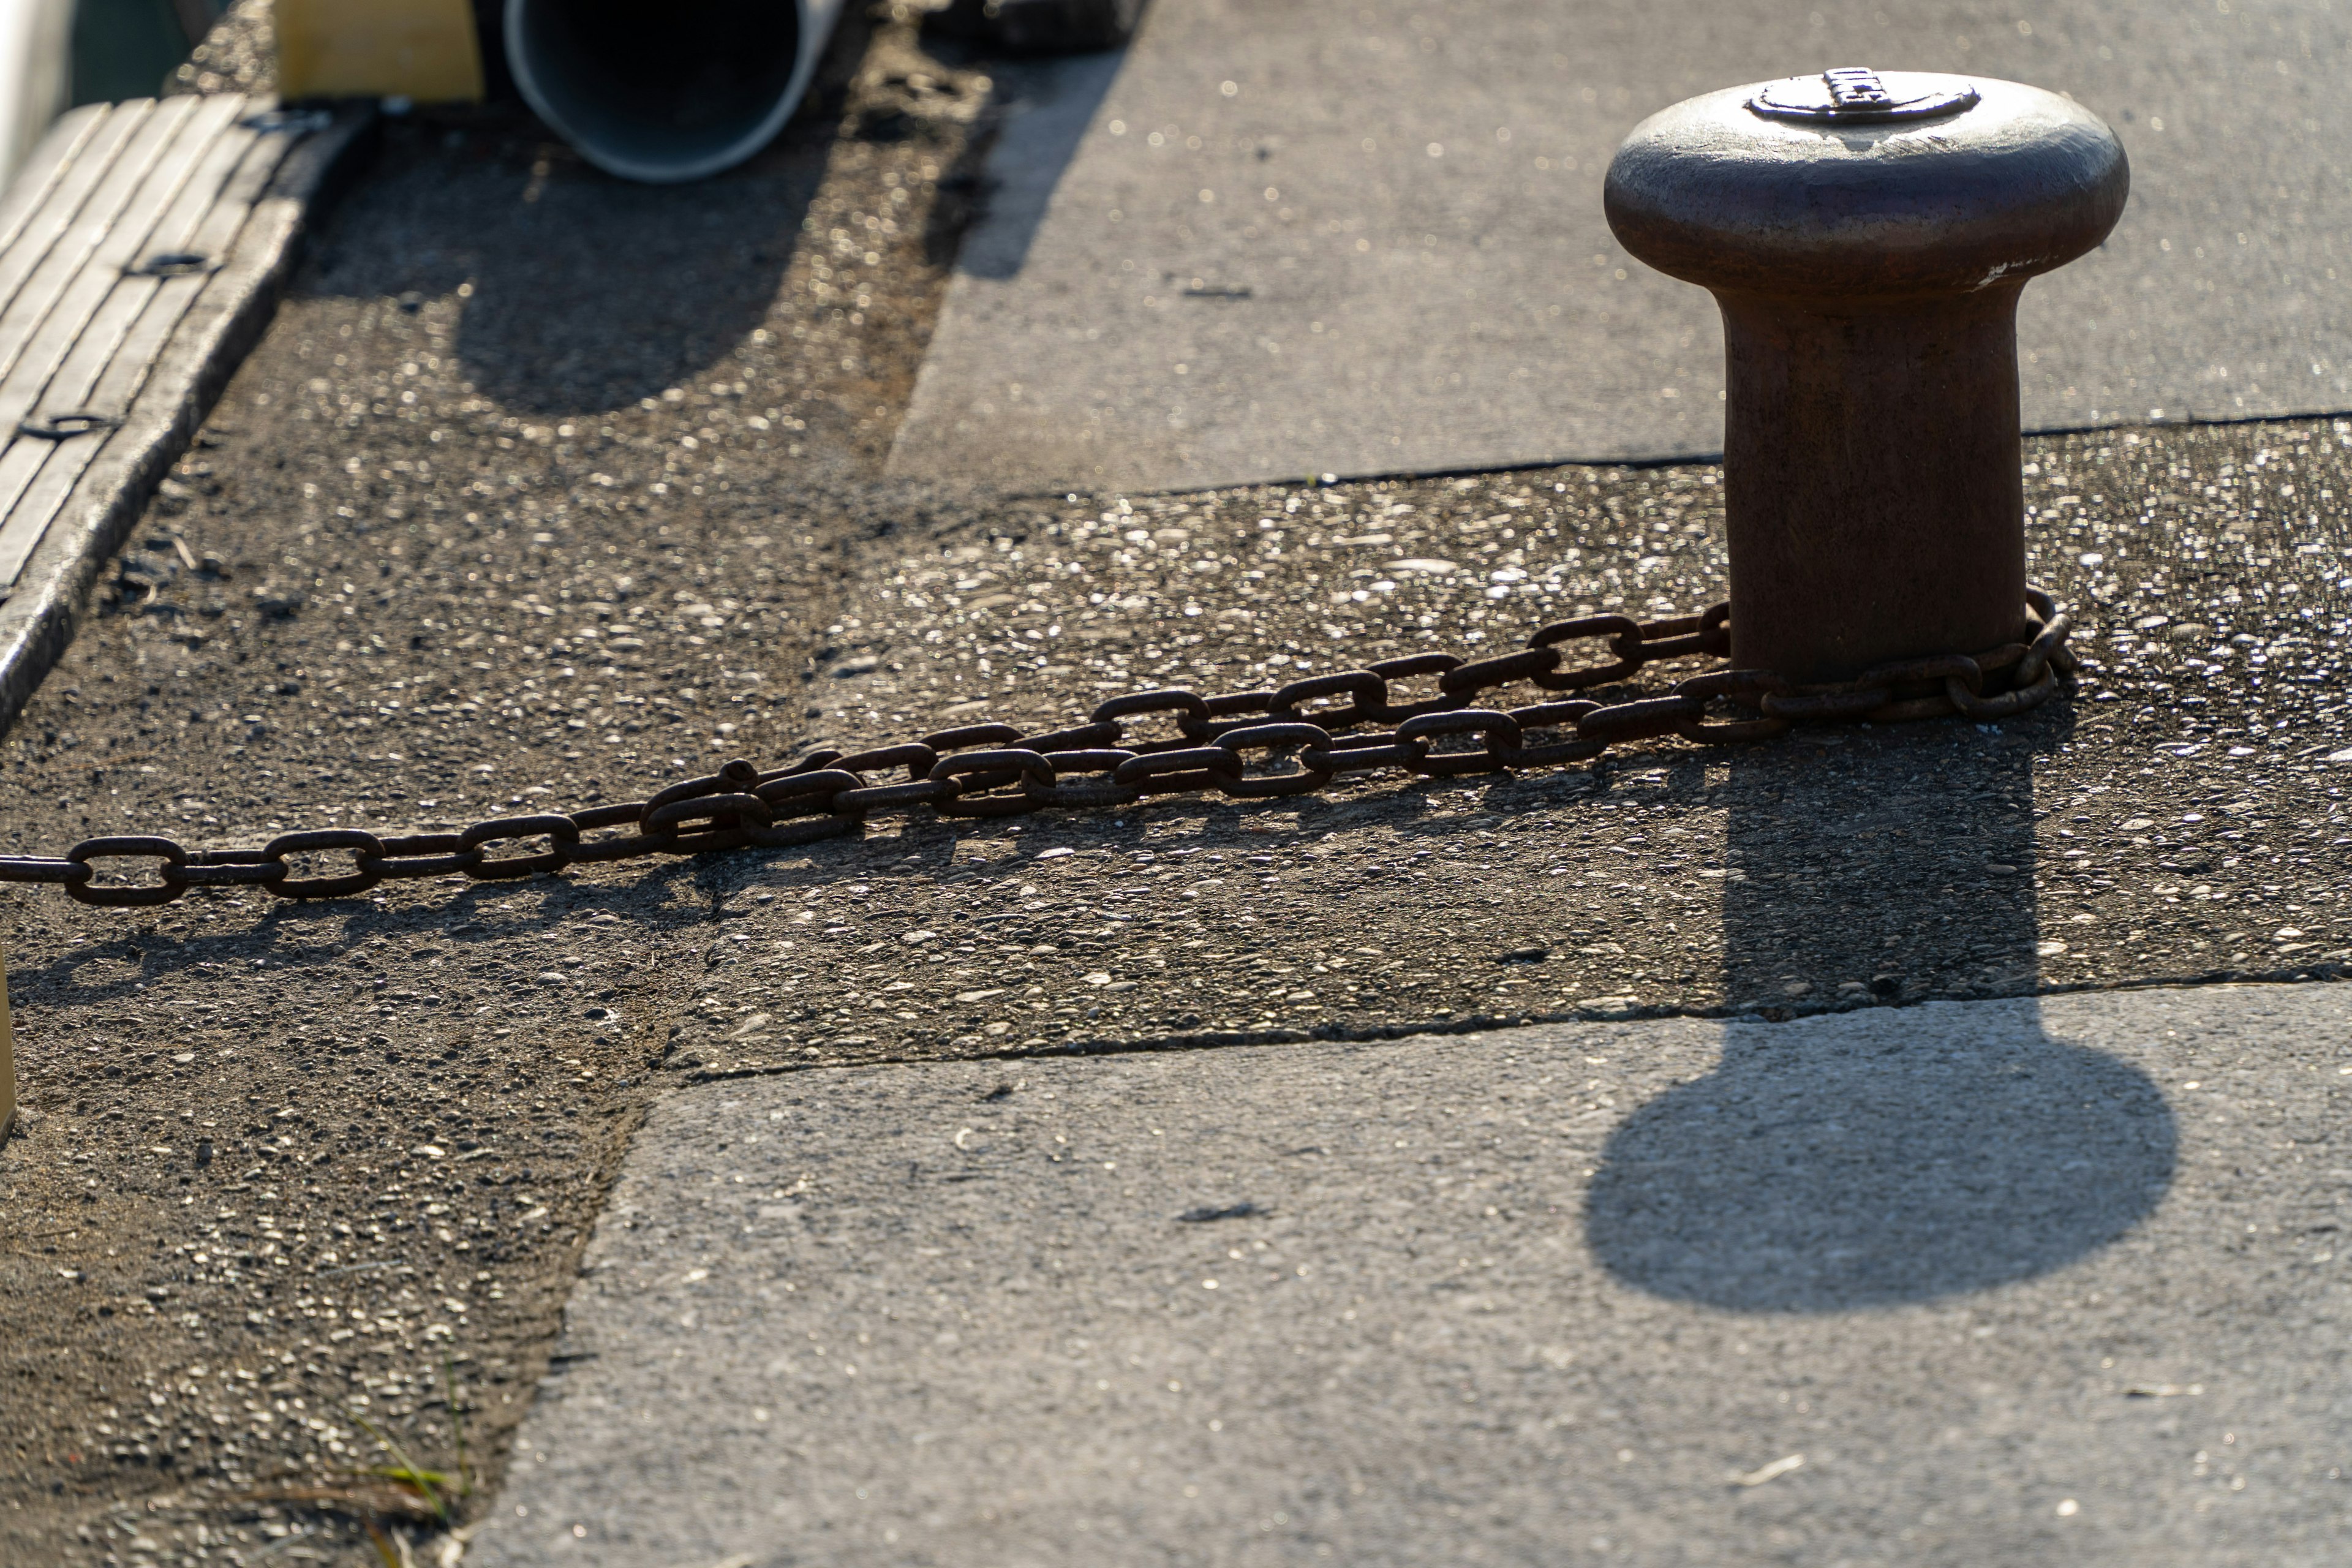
pixel 1369 240
pixel 1965 1283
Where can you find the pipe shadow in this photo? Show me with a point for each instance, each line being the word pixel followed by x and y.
pixel 588 293
pixel 1876 1157
pixel 601 292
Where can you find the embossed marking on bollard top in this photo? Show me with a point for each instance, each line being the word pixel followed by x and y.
pixel 1866 236
pixel 1856 88
pixel 1853 95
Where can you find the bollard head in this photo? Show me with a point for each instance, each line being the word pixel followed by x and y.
pixel 1856 183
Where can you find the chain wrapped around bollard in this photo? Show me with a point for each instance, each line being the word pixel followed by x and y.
pixel 996 770
pixel 1866 236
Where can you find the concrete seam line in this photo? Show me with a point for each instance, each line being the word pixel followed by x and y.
pixel 45 607
pixel 7 1057
pixel 1365 1034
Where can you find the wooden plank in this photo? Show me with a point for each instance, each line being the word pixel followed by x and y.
pixel 48 164
pixel 55 338
pixel 111 327
pixel 236 207
pixel 116 351
pixel 65 197
pixel 126 240
pixel 47 283
pixel 21 468
pixel 167 404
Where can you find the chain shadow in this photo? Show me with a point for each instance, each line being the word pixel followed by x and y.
pixel 327 933
pixel 1876 1157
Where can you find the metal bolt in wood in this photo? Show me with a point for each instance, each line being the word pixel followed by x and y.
pixel 1867 235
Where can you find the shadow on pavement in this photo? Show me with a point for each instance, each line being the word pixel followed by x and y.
pixel 588 293
pixel 1048 106
pixel 1879 1157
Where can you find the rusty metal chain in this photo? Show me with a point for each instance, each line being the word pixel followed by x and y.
pixel 995 770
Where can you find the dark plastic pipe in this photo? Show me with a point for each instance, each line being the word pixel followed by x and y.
pixel 668 94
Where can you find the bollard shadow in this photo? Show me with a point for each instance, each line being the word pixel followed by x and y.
pixel 1890 1155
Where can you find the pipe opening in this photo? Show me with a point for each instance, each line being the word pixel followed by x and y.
pixel 669 96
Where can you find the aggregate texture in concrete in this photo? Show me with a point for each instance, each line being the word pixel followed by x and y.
pixel 2181 817
pixel 146 244
pixel 281 1170
pixel 1368 238
pixel 416 1097
pixel 240 54
pixel 1960 1284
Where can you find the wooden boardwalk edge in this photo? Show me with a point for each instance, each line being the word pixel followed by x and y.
pixel 42 612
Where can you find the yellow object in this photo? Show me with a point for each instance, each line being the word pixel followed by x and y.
pixel 7 1056
pixel 424 51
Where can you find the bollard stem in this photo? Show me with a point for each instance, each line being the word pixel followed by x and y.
pixel 1872 486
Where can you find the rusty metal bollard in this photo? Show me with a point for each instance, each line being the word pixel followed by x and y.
pixel 1867 236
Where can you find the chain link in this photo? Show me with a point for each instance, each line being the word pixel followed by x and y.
pixel 994 770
